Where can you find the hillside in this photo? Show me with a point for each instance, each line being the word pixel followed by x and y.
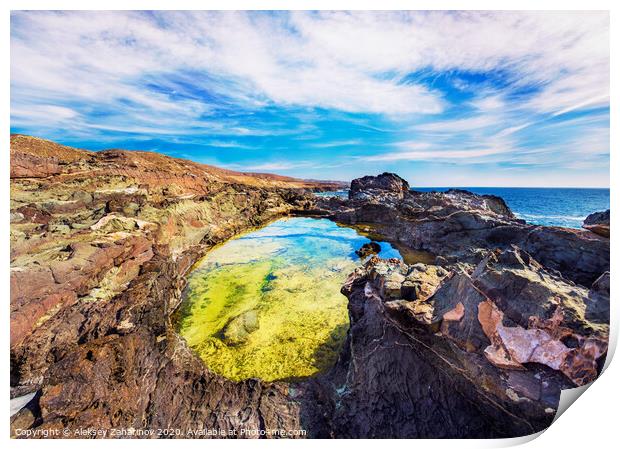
pixel 32 157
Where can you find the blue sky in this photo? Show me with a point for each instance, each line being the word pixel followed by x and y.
pixel 442 98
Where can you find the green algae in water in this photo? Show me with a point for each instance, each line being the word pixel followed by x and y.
pixel 268 304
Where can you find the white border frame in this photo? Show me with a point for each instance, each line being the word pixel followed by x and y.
pixel 590 423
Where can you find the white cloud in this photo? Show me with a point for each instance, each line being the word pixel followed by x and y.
pixel 489 103
pixel 348 61
pixel 413 145
pixel 47 113
pixel 275 166
pixel 466 156
pixel 339 143
pixel 459 125
pixel 227 144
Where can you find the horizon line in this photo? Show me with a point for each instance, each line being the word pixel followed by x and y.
pixel 11 134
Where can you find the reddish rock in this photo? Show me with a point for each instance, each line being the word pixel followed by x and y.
pixel 513 346
pixel 95 283
pixel 455 314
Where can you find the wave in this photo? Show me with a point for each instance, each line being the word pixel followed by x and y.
pixel 549 217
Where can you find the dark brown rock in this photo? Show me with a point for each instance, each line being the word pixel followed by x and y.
pixel 371 187
pixel 368 249
pixel 460 225
pixel 598 222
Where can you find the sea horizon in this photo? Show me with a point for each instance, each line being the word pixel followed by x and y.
pixel 547 206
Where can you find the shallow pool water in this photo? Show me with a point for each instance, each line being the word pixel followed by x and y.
pixel 267 304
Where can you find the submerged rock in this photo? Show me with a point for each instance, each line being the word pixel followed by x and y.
pixel 368 249
pixel 239 328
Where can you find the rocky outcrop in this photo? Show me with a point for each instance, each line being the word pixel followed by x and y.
pixel 494 203
pixel 476 341
pixel 598 222
pixel 461 226
pixel 509 315
pixel 377 188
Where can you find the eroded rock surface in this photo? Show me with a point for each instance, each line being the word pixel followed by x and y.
pixel 484 352
pixel 461 226
pixel 386 185
pixel 598 222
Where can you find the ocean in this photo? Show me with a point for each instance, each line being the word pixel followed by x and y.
pixel 566 207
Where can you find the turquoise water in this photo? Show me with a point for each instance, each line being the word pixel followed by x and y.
pixel 310 241
pixel 566 207
pixel 267 304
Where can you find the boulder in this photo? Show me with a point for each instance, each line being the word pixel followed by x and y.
pixel 368 249
pixel 598 222
pixel 238 330
pixel 385 185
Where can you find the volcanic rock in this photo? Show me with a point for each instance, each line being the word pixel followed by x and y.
pixel 457 345
pixel 598 222
pixel 368 249
pixel 100 245
pixel 377 187
pixel 460 225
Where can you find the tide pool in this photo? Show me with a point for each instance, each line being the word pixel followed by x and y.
pixel 267 304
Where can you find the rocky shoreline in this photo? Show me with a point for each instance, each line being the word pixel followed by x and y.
pixel 478 343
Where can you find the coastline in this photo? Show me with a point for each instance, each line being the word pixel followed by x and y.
pixel 101 246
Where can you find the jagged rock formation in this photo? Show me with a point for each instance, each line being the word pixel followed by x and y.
pixel 598 222
pixel 448 360
pixel 375 187
pixel 461 226
pixel 508 316
pixel 478 344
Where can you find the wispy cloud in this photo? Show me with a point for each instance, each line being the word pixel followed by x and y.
pixel 453 155
pixel 275 166
pixel 227 144
pixel 459 125
pixel 378 87
pixel 338 143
